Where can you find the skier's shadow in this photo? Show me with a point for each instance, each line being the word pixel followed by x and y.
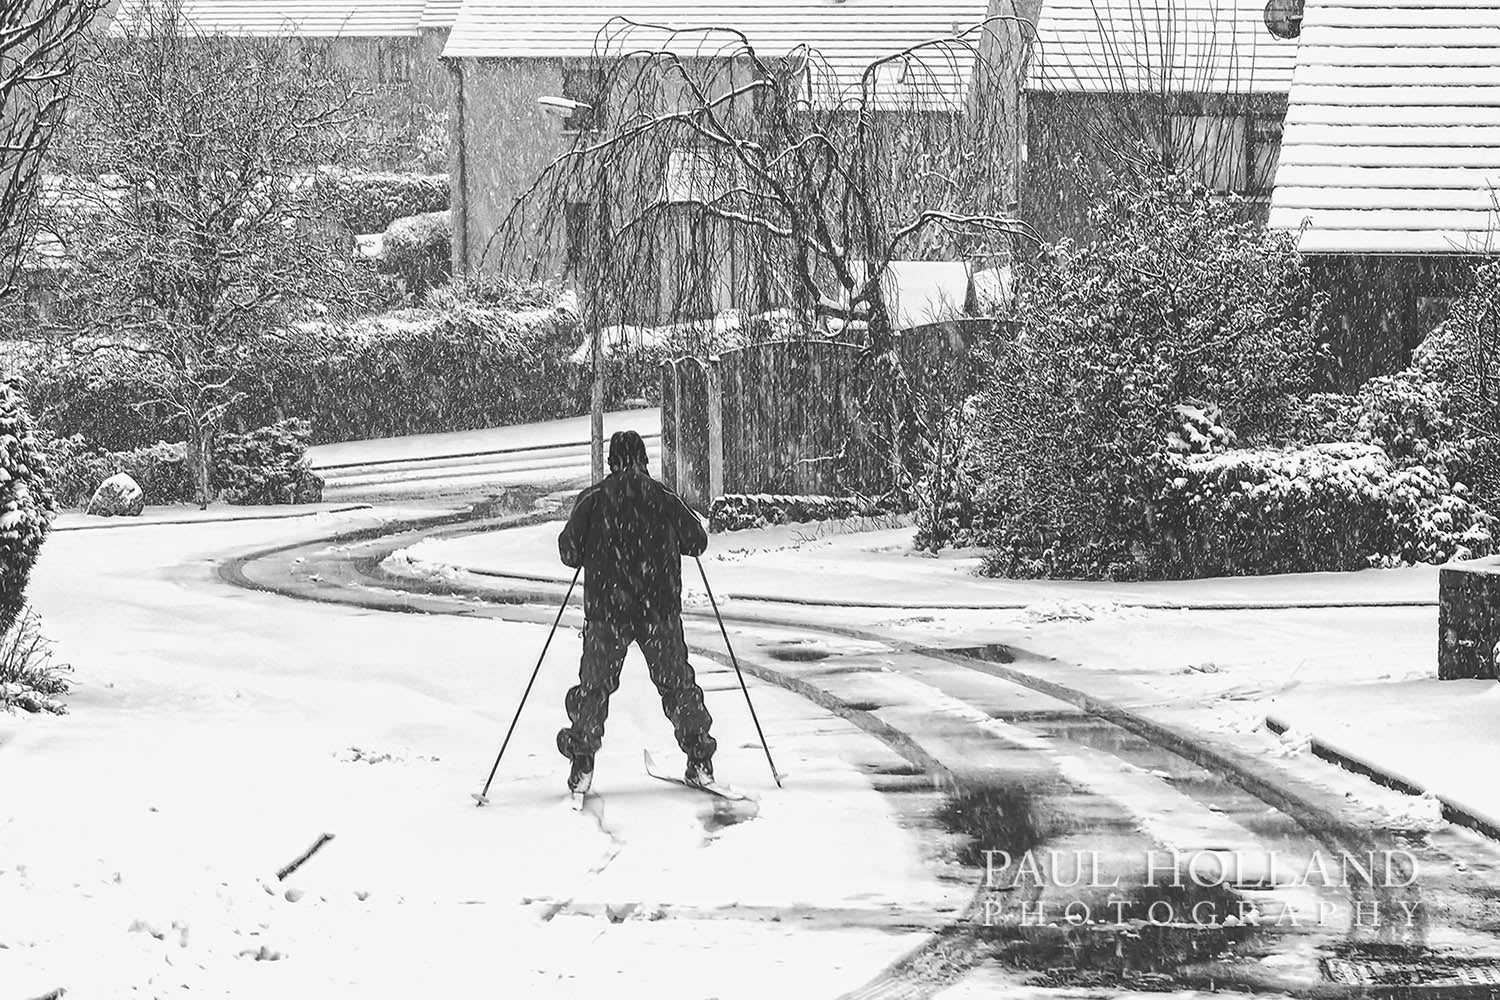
pixel 724 813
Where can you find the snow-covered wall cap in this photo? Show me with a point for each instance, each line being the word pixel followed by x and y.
pixel 1392 137
pixel 301 18
pixel 1156 46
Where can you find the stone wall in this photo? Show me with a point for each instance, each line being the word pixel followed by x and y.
pixel 1469 620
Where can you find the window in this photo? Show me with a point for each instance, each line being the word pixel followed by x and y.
pixel 317 57
pixel 1227 153
pixel 695 175
pixel 583 82
pixel 576 230
pixel 1265 153
pixel 394 56
pixel 1211 148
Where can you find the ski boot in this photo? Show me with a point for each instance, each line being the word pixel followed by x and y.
pixel 581 776
pixel 700 772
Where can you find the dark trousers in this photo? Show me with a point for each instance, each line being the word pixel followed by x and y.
pixel 604 648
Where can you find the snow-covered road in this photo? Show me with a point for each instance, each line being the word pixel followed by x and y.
pixel 216 733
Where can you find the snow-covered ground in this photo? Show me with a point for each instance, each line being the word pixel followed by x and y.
pixel 1439 736
pixel 216 733
pixel 1334 651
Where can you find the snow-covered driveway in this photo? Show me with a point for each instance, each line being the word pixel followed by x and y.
pixel 216 733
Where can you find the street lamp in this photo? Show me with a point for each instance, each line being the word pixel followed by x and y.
pixel 563 107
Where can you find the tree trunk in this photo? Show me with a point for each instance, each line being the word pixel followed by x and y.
pixel 199 453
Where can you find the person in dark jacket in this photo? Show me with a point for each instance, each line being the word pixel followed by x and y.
pixel 630 532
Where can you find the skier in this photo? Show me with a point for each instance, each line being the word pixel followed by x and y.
pixel 630 533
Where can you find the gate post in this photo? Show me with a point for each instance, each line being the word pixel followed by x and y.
pixel 715 430
pixel 681 465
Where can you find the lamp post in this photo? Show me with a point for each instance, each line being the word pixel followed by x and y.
pixel 585 286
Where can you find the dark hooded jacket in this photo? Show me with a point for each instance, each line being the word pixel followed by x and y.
pixel 630 532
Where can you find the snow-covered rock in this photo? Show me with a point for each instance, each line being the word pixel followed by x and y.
pixel 118 496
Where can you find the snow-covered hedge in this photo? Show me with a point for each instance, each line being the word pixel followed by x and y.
pixel 26 502
pixel 467 358
pixel 737 511
pixel 369 202
pixel 266 466
pixel 159 469
pixel 420 249
pixel 1325 507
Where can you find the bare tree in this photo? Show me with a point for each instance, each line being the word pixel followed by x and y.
pixel 706 178
pixel 1137 90
pixel 38 51
pixel 199 231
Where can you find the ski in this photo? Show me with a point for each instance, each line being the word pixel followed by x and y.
pixel 575 801
pixel 720 789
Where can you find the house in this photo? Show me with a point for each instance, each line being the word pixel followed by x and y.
pixel 506 58
pixel 1200 83
pixel 392 45
pixel 1390 165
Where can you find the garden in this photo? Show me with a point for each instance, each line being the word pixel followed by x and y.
pixel 1158 415
pixel 225 272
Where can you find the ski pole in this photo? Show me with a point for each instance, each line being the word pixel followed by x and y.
pixel 482 798
pixel 738 673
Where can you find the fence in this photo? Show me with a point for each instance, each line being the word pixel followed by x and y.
pixel 784 416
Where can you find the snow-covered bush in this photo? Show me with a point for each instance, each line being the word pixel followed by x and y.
pixel 1324 507
pixel 1198 430
pixel 26 502
pixel 266 466
pixel 420 249
pixel 1178 300
pixel 1442 411
pixel 29 677
pixel 737 511
pixel 369 202
pixel 96 396
pixel 160 469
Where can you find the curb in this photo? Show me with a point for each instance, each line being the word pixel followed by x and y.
pixel 1454 811
pixel 819 602
pixel 418 459
pixel 113 523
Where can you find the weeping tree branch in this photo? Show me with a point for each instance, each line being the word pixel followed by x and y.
pixel 38 53
pixel 717 179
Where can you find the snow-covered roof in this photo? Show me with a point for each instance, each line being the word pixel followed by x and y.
pixel 1392 138
pixel 304 18
pixel 1156 46
pixel 440 13
pixel 847 35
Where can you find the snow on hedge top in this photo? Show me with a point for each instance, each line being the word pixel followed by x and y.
pixel 303 18
pixel 1155 46
pixel 846 35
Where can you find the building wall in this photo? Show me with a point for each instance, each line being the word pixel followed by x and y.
pixel 500 141
pixel 430 78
